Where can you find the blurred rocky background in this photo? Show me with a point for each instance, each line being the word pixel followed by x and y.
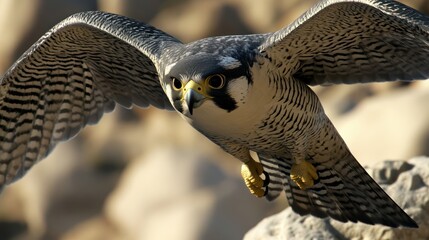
pixel 145 174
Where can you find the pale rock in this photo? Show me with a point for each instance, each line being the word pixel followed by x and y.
pixel 193 20
pixel 289 225
pixel 22 22
pixel 392 125
pixel 94 228
pixel 143 10
pixel 30 198
pixel 173 193
pixel 13 29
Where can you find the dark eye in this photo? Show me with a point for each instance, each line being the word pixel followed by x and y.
pixel 216 81
pixel 177 84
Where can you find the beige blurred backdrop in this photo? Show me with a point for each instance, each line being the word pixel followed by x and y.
pixel 145 174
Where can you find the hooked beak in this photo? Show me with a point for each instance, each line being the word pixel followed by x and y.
pixel 194 94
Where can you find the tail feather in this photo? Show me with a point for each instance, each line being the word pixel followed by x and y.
pixel 344 192
pixel 278 178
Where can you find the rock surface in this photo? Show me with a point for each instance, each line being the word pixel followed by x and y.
pixel 405 181
pixel 187 199
pixel 386 126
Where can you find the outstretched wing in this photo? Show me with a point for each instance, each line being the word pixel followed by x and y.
pixel 345 192
pixel 70 77
pixel 351 41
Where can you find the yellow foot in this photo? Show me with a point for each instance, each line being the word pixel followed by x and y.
pixel 303 174
pixel 251 172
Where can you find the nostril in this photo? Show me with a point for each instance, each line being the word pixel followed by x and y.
pixel 199 88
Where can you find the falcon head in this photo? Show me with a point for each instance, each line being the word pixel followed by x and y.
pixel 206 80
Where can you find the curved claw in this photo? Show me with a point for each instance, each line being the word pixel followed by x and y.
pixel 265 191
pixel 266 180
pixel 251 173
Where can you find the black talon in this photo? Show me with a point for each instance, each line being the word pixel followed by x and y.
pixel 266 180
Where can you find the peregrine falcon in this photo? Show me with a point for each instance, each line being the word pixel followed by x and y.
pixel 244 93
